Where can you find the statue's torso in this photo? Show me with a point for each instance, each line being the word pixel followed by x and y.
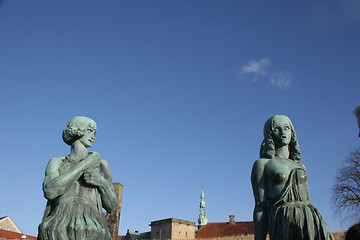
pixel 277 173
pixel 80 188
pixel 80 202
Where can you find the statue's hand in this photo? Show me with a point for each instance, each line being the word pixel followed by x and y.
pixel 92 161
pixel 93 177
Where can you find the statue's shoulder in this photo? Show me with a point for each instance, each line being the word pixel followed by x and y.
pixel 56 161
pixel 259 166
pixel 54 165
pixel 258 171
pixel 105 168
pixel 302 166
pixel 104 165
pixel 261 162
pixel 102 161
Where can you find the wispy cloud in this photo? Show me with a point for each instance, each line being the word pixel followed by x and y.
pixel 256 70
pixel 281 79
pixel 257 67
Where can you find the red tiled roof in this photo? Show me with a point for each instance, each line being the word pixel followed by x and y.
pixel 121 237
pixel 224 229
pixel 13 235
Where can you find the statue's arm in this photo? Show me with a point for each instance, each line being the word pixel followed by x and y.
pixel 107 190
pixel 56 184
pixel 260 212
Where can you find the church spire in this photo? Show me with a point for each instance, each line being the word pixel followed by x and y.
pixel 202 215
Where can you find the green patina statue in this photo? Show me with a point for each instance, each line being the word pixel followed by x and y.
pixel 281 190
pixel 77 187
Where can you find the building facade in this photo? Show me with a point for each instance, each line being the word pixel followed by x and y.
pixel 172 228
pixel 6 223
pixel 9 230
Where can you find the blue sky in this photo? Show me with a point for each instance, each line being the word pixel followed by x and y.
pixel 180 91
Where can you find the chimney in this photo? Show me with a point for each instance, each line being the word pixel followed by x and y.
pixel 231 219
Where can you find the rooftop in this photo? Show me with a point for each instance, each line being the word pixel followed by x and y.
pixel 224 229
pixel 14 235
pixel 175 220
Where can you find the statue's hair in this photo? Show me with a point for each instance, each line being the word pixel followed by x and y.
pixel 76 129
pixel 267 148
pixel 357 111
pixel 353 232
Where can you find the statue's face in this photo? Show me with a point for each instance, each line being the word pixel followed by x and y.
pixel 281 131
pixel 89 137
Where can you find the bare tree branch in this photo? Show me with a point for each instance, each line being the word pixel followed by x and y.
pixel 346 190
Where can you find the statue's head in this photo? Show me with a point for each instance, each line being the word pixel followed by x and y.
pixel 76 129
pixel 268 146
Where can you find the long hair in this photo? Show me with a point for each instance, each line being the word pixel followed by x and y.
pixel 267 148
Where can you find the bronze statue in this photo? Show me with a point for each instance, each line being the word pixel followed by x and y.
pixel 78 187
pixel 281 190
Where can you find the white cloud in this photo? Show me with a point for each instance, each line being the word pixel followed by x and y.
pixel 256 67
pixel 281 79
pixel 258 70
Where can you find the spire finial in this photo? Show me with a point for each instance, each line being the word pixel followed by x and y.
pixel 202 220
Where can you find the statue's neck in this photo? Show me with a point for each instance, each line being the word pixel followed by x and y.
pixel 282 152
pixel 78 151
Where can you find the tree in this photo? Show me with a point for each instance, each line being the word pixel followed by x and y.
pixel 346 191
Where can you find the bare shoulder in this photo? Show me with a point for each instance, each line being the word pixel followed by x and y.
pixel 258 181
pixel 303 166
pixel 258 169
pixel 260 163
pixel 104 164
pixel 54 163
pixel 105 168
pixel 56 160
pixel 52 168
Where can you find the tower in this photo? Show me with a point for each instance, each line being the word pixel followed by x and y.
pixel 202 220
